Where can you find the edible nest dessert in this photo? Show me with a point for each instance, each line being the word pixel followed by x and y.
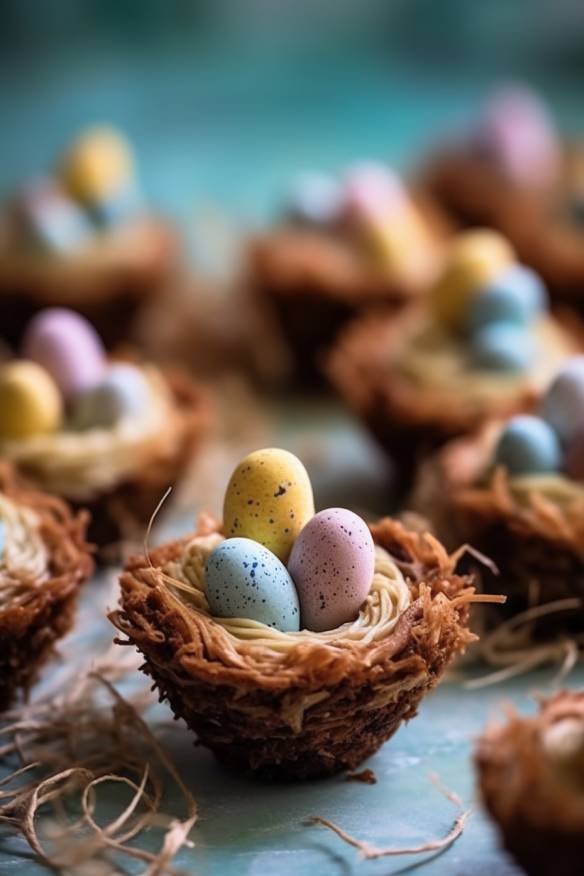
pixel 294 644
pixel 107 435
pixel 344 247
pixel 44 560
pixel 485 346
pixel 515 491
pixel 531 778
pixel 513 173
pixel 83 238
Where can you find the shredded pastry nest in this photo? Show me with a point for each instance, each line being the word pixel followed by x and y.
pixel 81 464
pixel 530 776
pixel 388 599
pixel 44 562
pixel 299 704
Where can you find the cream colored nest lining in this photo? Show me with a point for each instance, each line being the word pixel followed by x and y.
pixel 388 599
pixel 79 464
pixel 559 489
pixel 24 560
pixel 432 359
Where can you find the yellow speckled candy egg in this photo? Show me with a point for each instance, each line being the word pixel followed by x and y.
pixel 475 258
pixel 98 165
pixel 268 499
pixel 30 403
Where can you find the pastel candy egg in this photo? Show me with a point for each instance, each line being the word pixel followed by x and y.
pixel 515 295
pixel 314 200
pixel 68 347
pixel 563 404
pixel 30 403
pixel 475 259
pixel 268 499
pixel 99 164
pixel 332 564
pixel 51 219
pixel 372 193
pixel 517 133
pixel 528 445
pixel 245 580
pixel 123 392
pixel 502 347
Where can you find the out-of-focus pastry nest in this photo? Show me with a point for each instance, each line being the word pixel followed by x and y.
pixel 38 591
pixel 537 800
pixel 319 706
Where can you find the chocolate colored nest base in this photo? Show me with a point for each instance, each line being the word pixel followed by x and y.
pixel 110 296
pixel 120 517
pixel 318 709
pixel 539 816
pixel 43 613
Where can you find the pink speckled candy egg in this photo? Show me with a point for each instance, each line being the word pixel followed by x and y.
pixel 68 347
pixel 372 193
pixel 517 132
pixel 332 564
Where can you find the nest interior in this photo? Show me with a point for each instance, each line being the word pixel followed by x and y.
pixel 318 708
pixel 539 814
pixel 39 613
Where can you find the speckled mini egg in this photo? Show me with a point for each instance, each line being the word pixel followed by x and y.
pixel 123 392
pixel 314 200
pixel 563 403
pixel 517 134
pixel 475 258
pixel 50 219
pixel 503 346
pixel 268 499
pixel 245 580
pixel 332 564
pixel 30 403
pixel 98 165
pixel 372 193
pixel 528 445
pixel 515 295
pixel 68 347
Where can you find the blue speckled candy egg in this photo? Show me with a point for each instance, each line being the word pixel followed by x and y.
pixel 123 392
pixel 503 346
pixel 516 295
pixel 314 200
pixel 332 564
pixel 51 219
pixel 528 445
pixel 245 579
pixel 563 404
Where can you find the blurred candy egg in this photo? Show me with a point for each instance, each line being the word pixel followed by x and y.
pixel 332 564
pixel 314 200
pixel 475 259
pixel 528 445
pixel 515 295
pixel 563 404
pixel 68 347
pixel 50 218
pixel 268 499
pixel 245 579
pixel 98 166
pixel 502 347
pixel 372 193
pixel 123 392
pixel 517 133
pixel 30 403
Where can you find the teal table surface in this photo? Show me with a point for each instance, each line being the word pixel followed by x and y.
pixel 226 126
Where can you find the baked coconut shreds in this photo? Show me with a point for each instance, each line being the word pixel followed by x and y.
pixel 531 779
